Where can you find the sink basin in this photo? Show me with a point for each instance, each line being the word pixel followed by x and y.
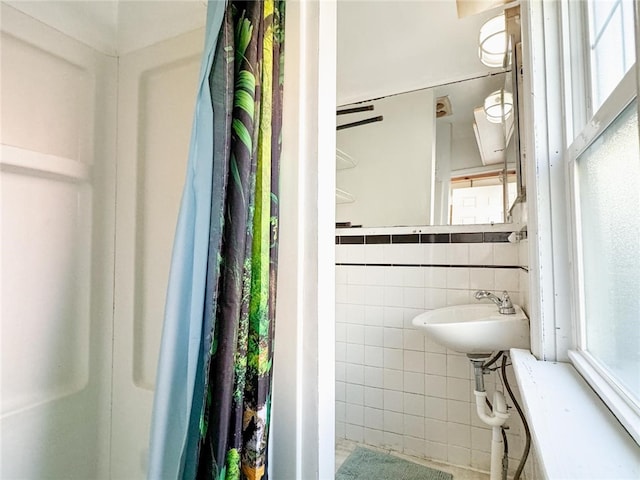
pixel 476 328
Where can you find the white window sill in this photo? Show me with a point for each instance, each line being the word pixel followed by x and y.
pixel 575 435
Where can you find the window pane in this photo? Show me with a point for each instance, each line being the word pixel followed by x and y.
pixel 612 45
pixel 609 180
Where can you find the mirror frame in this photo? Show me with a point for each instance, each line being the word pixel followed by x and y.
pixel 512 18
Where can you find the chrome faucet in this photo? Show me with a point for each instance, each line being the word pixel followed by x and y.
pixel 505 307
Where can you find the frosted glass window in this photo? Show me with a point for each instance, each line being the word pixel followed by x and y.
pixel 612 45
pixel 609 200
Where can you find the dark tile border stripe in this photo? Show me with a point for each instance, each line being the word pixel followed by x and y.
pixel 467 237
pixel 435 238
pixel 352 240
pixel 439 265
pixel 406 238
pixel 377 239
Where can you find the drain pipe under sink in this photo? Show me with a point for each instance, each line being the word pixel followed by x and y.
pixel 495 419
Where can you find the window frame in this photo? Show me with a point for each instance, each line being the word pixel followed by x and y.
pixel 582 128
pixel 589 26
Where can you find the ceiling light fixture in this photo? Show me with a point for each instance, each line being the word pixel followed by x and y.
pixel 498 106
pixel 493 42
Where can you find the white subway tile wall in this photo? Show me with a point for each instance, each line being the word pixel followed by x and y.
pixel 395 388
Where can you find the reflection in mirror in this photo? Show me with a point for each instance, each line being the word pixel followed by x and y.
pixel 435 158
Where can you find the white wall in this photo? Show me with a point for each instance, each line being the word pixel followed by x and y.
pixel 442 173
pixel 395 388
pixel 58 208
pixel 393 180
pixel 465 153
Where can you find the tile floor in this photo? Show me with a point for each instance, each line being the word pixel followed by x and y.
pixel 345 447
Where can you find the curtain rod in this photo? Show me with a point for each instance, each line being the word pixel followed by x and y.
pixel 366 108
pixel 360 122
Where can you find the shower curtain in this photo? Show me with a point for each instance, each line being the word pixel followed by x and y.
pixel 213 390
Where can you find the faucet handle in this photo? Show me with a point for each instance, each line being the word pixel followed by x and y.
pixel 506 307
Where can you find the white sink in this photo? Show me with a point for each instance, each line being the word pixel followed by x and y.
pixel 476 328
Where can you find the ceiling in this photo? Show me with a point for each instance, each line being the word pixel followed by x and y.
pixel 388 47
pixel 116 27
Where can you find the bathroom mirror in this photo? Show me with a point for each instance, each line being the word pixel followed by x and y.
pixel 413 156
pixel 435 158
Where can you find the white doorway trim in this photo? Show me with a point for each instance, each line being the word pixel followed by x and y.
pixel 303 426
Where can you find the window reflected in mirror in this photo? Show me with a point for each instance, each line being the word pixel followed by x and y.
pixel 480 198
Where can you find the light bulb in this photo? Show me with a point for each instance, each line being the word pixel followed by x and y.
pixel 498 106
pixel 493 42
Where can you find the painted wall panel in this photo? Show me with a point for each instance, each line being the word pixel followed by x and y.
pixel 49 109
pixel 45 263
pixel 157 90
pixel 166 109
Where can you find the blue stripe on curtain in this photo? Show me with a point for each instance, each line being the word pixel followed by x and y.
pixel 182 332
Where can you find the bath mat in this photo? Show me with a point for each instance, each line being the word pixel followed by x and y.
pixel 365 464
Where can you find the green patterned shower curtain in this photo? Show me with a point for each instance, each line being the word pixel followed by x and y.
pixel 237 355
pixel 234 421
pixel 213 388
